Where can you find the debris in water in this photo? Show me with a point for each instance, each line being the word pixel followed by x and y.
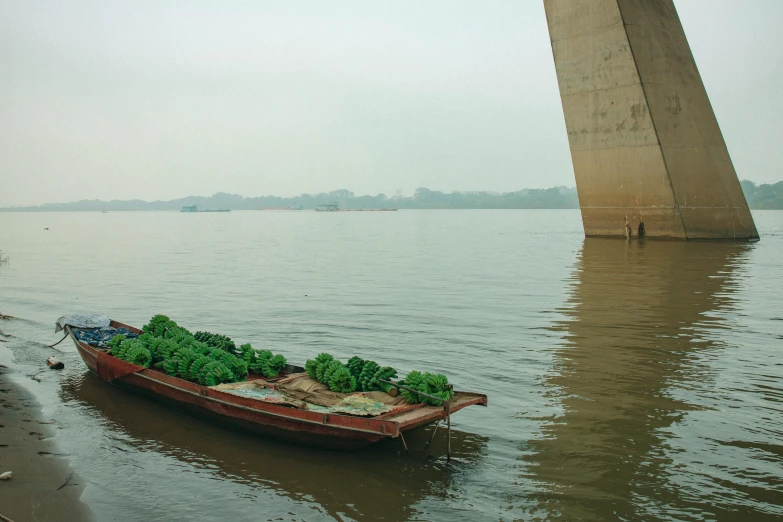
pixel 54 363
pixel 66 481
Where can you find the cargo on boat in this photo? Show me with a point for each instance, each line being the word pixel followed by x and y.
pixel 291 406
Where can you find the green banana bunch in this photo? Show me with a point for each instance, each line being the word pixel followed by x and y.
pixel 199 347
pixel 311 365
pixel 329 369
pixel 323 360
pixel 212 352
pixel 115 343
pixel 198 363
pixel 145 339
pixel 171 366
pixel 185 340
pixel 186 358
pixel 274 365
pixel 247 354
pixel 205 357
pixel 126 345
pixel 138 355
pixel 151 343
pixel 340 379
pixel 355 365
pixel 162 326
pixel 216 340
pixel 178 334
pixel 158 325
pixel 216 373
pixel 261 356
pixel 366 377
pixel 435 384
pixel 166 349
pixel 413 380
pixel 385 373
pixel 202 373
pixel 256 361
pixel 237 366
pixel 225 357
pixel 239 369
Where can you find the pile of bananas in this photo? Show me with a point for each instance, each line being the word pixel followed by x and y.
pixel 131 350
pixel 435 384
pixel 340 379
pixel 358 374
pixel 262 361
pixel 328 370
pixel 158 325
pixel 366 374
pixel 114 343
pixel 372 374
pixel 355 365
pixel 315 367
pixel 206 358
pixel 183 356
pixel 212 359
pixel 216 340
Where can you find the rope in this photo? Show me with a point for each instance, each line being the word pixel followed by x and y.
pixel 58 342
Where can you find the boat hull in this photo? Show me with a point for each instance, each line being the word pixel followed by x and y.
pixel 326 430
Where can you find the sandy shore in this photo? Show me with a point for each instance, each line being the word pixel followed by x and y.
pixel 43 487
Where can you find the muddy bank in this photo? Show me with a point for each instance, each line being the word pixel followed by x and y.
pixel 43 486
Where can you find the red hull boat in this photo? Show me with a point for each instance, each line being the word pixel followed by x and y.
pixel 281 421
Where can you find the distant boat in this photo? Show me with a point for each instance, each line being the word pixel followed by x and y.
pixel 292 207
pixel 369 210
pixel 194 208
pixel 335 207
pixel 327 207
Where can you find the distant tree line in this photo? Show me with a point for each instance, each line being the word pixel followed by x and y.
pixel 423 198
pixel 758 196
pixel 763 197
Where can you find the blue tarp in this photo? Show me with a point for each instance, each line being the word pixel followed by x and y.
pixel 100 336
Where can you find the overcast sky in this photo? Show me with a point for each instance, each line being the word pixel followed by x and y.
pixel 162 99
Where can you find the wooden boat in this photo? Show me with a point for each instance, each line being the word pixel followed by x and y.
pixel 282 421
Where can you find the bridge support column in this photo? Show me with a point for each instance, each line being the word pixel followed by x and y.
pixel 645 143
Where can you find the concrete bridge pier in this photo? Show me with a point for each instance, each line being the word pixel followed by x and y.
pixel 644 139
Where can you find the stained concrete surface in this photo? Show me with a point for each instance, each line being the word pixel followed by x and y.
pixel 644 139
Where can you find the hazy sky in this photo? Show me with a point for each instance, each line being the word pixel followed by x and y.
pixel 162 99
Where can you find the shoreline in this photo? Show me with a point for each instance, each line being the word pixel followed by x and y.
pixel 43 485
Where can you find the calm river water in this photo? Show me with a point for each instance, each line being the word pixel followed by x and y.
pixel 626 380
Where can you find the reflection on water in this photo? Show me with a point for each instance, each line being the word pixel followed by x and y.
pixel 378 483
pixel 640 316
